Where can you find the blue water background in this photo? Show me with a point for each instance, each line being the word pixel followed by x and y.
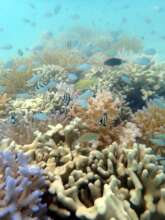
pixel 142 18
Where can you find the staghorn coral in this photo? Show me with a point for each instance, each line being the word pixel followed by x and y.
pixel 20 191
pixel 103 117
pixel 119 182
pixel 151 120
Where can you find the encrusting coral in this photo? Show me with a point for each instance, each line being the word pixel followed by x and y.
pixel 21 187
pixel 119 182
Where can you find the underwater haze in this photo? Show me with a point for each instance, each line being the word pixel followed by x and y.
pixel 23 22
pixel 82 110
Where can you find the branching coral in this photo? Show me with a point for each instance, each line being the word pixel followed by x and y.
pixel 136 83
pixel 127 43
pixel 103 117
pixel 66 58
pixel 46 78
pixel 118 182
pixel 151 121
pixel 20 191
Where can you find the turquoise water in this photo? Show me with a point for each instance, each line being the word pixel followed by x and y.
pixel 22 22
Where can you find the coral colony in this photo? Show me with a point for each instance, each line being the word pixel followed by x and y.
pixel 82 132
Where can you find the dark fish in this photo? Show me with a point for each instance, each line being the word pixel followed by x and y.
pixel 57 9
pixel 114 61
pixel 103 120
pixel 13 119
pixel 66 99
pixel 20 52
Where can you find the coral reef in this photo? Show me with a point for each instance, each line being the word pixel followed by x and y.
pixel 3 103
pixel 66 58
pixel 128 43
pixel 118 182
pixel 103 117
pixel 80 139
pixel 21 188
pixel 150 120
pixel 46 77
pixel 135 83
pixel 14 78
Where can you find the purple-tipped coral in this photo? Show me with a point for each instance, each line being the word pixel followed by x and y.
pixel 20 188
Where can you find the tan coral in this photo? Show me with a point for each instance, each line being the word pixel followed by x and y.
pixel 77 178
pixel 107 108
pixel 150 120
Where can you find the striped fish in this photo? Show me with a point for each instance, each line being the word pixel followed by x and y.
pixel 66 99
pixel 103 120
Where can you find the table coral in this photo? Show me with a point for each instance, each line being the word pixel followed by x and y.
pixel 137 84
pixel 20 188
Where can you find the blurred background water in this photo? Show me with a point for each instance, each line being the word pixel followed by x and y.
pixel 23 22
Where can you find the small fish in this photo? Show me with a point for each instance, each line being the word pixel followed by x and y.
pixel 48 14
pixel 57 9
pixel 147 20
pixel 47 35
pixel 125 78
pixel 13 119
pixel 88 137
pixel 103 120
pixel 32 6
pixel 37 48
pixel 158 142
pixel 41 87
pixel 26 20
pixel 20 52
pixel 75 17
pixel 33 24
pixel 40 116
pixel 6 47
pixel 66 99
pixel 114 61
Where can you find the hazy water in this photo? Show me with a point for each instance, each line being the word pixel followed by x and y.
pixel 143 18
